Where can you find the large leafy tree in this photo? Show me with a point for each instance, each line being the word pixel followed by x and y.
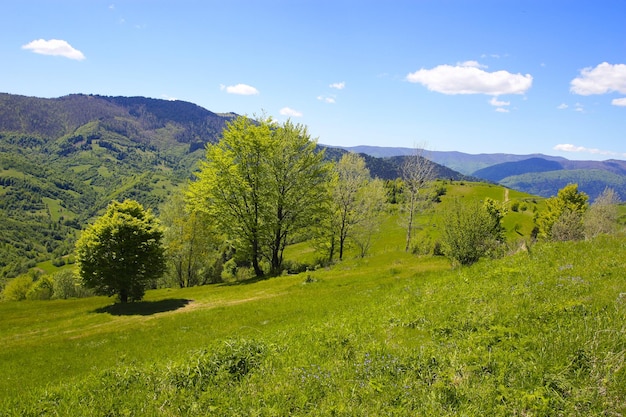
pixel 262 183
pixel 121 252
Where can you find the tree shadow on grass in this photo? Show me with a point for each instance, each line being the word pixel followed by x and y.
pixel 144 308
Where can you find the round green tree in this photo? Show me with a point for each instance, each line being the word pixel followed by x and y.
pixel 121 253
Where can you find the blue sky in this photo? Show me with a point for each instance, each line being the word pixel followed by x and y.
pixel 483 76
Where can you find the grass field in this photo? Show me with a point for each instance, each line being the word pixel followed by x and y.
pixel 538 333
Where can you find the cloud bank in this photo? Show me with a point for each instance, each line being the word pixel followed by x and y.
pixel 470 78
pixel 240 89
pixel 54 47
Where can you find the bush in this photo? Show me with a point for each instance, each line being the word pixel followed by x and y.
pixel 472 231
pixel 41 289
pixel 66 284
pixel 17 288
pixel 515 206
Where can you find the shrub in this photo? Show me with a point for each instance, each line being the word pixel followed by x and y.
pixel 472 231
pixel 17 288
pixel 67 285
pixel 515 206
pixel 41 289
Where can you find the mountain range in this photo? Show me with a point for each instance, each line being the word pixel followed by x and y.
pixel 536 174
pixel 62 160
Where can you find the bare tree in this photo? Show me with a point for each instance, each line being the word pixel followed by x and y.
pixel 416 171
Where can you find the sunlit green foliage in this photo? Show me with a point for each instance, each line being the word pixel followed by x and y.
pixel 472 230
pixel 194 248
pixel 262 183
pixel 563 215
pixel 121 253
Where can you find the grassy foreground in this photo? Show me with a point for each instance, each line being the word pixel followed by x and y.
pixel 535 334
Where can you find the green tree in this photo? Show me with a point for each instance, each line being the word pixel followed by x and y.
pixel 601 218
pixel 471 231
pixel 262 183
pixel 121 253
pixel 193 246
pixel 563 214
pixel 349 208
pixel 373 198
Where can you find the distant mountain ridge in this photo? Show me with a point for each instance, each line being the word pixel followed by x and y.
pixel 464 163
pixel 537 174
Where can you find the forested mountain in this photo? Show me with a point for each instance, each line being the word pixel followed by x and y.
pixel 64 159
pixel 541 177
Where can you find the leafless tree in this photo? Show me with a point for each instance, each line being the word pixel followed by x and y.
pixel 417 172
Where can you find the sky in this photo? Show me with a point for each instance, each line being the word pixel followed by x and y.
pixel 475 76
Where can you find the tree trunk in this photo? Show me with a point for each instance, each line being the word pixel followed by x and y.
pixel 255 259
pixel 123 296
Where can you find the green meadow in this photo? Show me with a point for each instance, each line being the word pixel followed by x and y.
pixel 540 332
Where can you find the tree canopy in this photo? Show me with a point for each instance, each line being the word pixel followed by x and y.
pixel 262 183
pixel 121 252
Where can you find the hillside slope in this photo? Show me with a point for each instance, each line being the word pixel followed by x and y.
pixel 64 159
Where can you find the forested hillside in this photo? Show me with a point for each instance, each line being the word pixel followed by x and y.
pixel 62 160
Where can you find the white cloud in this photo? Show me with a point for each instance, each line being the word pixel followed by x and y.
pixel 55 47
pixel 330 100
pixel 619 102
pixel 568 147
pixel 468 79
pixel 472 64
pixel 494 102
pixel 338 86
pixel 240 89
pixel 502 110
pixel 605 78
pixel 286 111
pixel 562 106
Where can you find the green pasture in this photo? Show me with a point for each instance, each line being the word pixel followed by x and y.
pixel 541 332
